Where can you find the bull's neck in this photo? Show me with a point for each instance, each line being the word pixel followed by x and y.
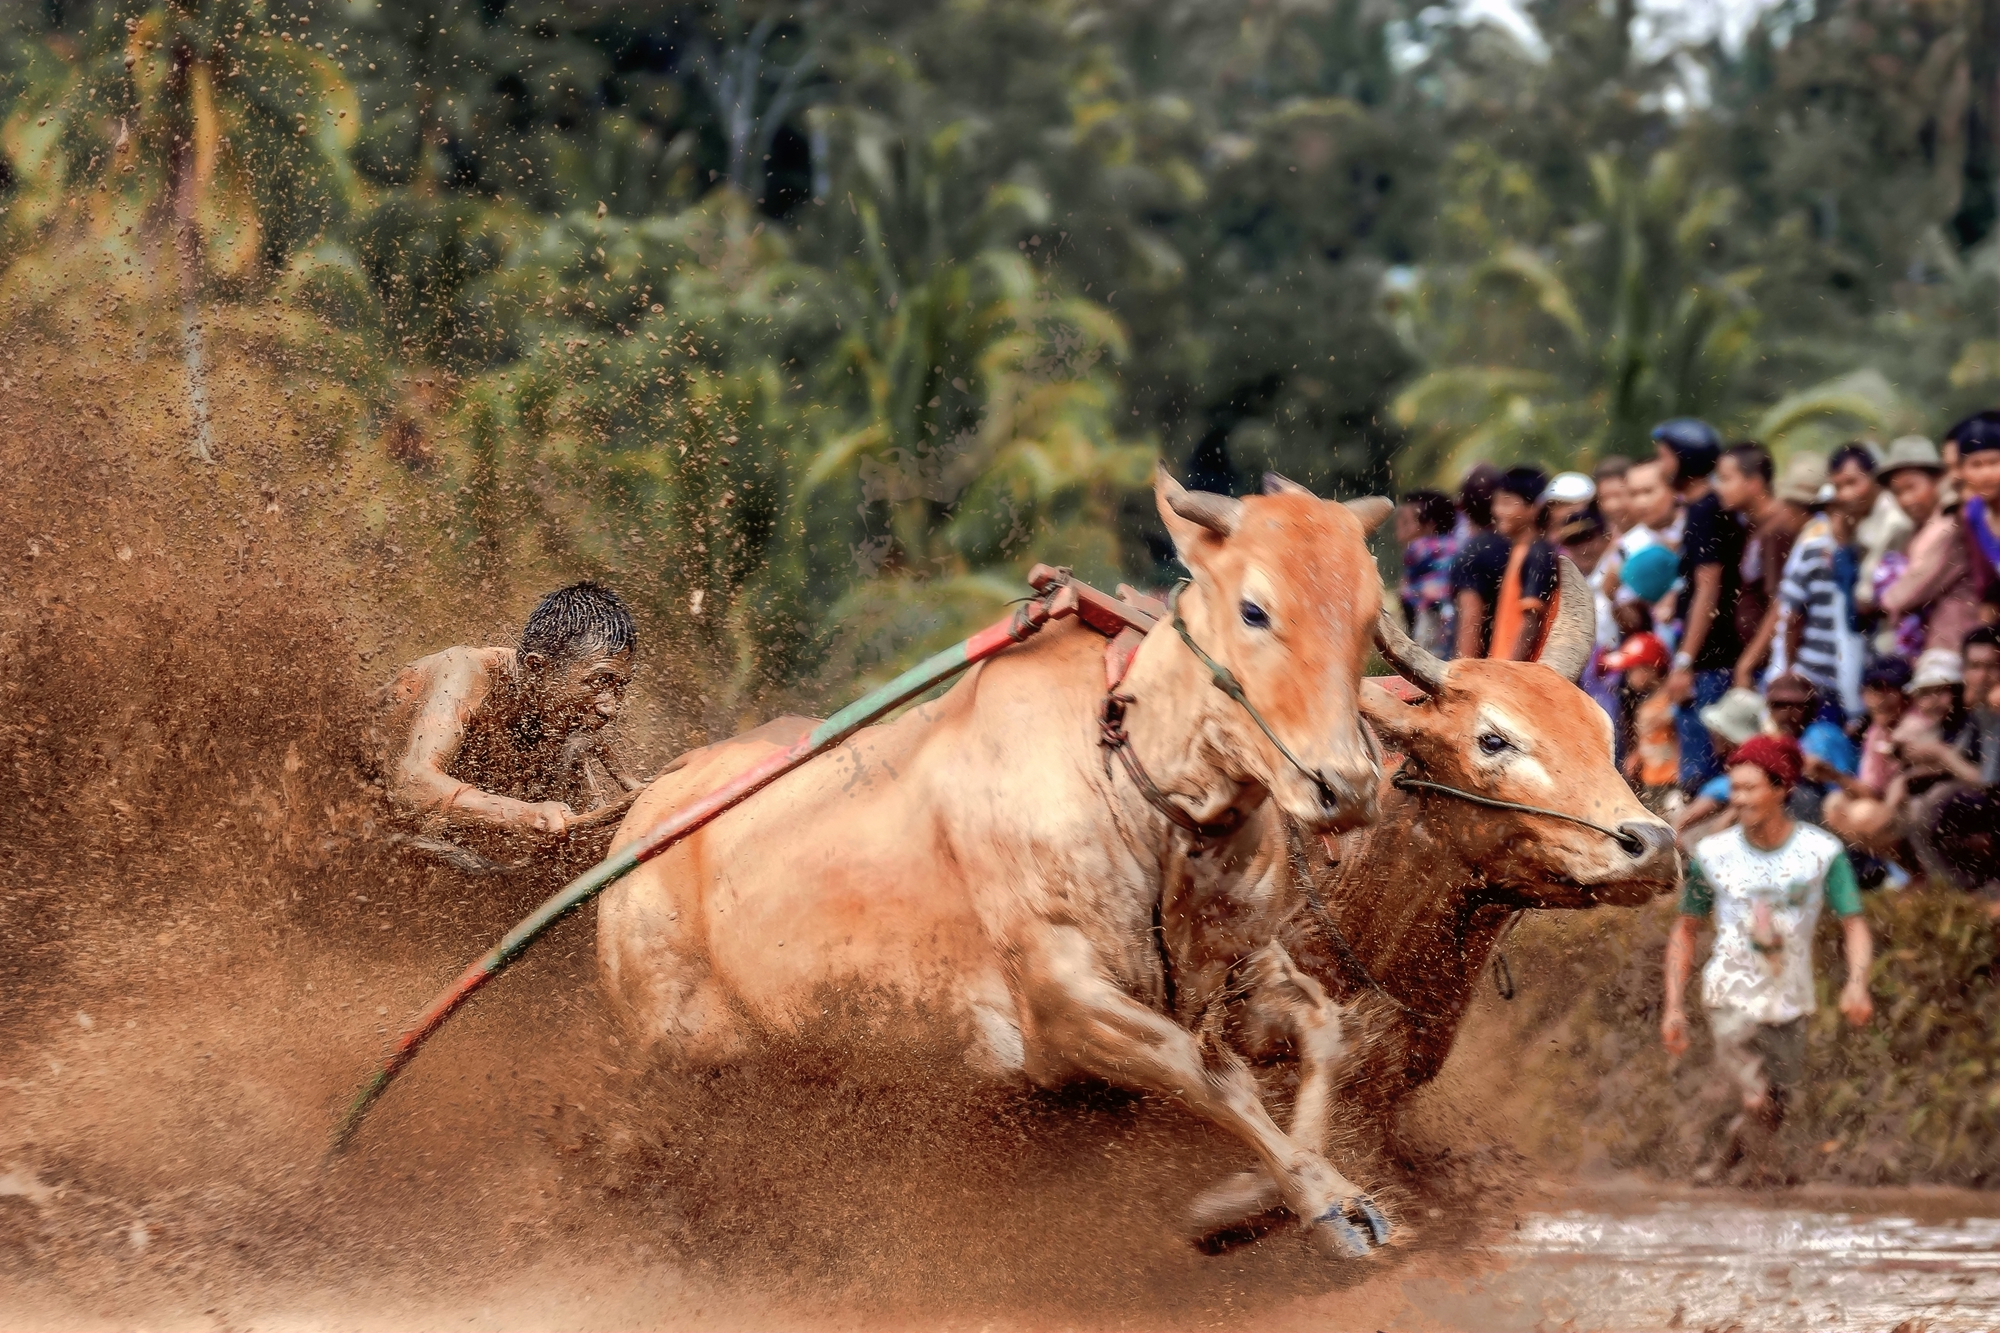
pixel 1411 909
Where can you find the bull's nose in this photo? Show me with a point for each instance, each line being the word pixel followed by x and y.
pixel 1651 845
pixel 1346 803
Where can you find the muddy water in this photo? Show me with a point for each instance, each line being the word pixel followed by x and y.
pixel 1651 1259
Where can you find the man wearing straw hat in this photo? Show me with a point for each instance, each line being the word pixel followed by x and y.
pixel 1939 585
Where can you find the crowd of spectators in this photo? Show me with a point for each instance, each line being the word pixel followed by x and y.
pixel 1802 665
pixel 1847 604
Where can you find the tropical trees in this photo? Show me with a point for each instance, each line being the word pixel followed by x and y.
pixel 1561 343
pixel 201 140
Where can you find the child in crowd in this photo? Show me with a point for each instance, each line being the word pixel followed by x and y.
pixel 1654 760
pixel 1864 809
pixel 1425 525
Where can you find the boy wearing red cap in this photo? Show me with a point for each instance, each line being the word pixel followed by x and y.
pixel 1763 881
pixel 1654 760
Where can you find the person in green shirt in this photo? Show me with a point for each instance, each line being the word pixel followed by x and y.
pixel 1763 882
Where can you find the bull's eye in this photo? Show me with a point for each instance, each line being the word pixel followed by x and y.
pixel 1255 616
pixel 1492 742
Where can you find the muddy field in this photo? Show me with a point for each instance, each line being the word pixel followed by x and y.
pixel 205 947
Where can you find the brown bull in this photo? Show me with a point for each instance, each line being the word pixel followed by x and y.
pixel 1404 914
pixel 1013 894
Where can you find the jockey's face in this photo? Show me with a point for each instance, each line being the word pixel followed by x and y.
pixel 582 691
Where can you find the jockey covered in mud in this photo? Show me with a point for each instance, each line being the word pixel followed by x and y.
pixel 501 739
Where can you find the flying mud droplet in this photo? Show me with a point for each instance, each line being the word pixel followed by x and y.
pixel 125 553
pixel 85 1021
pixel 139 1236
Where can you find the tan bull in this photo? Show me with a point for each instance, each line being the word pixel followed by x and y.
pixel 1405 913
pixel 1014 895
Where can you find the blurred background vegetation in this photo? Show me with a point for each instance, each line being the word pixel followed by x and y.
pixel 810 327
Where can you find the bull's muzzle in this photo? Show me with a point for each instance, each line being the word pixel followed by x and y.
pixel 1346 794
pixel 1651 846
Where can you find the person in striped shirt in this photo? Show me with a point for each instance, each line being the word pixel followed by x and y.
pixel 1816 637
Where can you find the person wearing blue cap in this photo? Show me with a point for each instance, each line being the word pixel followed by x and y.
pixel 1711 572
pixel 1650 573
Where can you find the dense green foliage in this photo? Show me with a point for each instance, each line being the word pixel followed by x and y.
pixel 813 325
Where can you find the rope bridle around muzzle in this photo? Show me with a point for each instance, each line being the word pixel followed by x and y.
pixel 1630 843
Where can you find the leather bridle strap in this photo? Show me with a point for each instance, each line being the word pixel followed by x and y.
pixel 1111 734
pixel 1630 843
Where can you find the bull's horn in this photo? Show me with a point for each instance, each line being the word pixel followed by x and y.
pixel 1277 485
pixel 1567 645
pixel 1218 513
pixel 1421 667
pixel 1371 510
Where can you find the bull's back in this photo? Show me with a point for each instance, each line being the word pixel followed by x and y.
pixel 825 881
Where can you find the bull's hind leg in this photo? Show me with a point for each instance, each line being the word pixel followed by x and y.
pixel 1282 1005
pixel 1086 1022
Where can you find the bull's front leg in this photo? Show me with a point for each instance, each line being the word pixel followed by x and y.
pixel 1084 1022
pixel 1281 1005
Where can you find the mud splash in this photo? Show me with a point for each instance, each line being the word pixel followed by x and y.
pixel 205 947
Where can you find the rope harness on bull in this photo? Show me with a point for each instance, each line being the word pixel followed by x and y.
pixel 1111 734
pixel 1630 843
pixel 1116 740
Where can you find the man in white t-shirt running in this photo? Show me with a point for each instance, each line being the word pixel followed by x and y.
pixel 1763 881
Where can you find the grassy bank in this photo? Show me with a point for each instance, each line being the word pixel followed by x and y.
pixel 1913 1098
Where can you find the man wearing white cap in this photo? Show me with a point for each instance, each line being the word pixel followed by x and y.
pixel 1568 493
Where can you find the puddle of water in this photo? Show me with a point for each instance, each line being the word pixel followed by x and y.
pixel 1717 1262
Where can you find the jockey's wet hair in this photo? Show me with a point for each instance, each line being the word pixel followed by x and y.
pixel 574 621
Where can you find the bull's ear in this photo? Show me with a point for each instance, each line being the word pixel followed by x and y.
pixel 1196 520
pixel 1371 510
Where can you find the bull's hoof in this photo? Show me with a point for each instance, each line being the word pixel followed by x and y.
pixel 1353 1228
pixel 1378 1225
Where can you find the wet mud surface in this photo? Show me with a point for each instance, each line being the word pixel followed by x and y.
pixel 1646 1256
pixel 205 948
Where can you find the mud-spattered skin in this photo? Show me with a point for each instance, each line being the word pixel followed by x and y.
pixel 973 878
pixel 472 738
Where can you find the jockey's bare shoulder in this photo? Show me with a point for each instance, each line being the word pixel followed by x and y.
pixel 495 737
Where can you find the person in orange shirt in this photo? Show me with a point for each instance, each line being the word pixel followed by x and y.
pixel 1529 584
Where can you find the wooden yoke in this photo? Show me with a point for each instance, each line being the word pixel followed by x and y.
pixel 1123 619
pixel 1106 614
